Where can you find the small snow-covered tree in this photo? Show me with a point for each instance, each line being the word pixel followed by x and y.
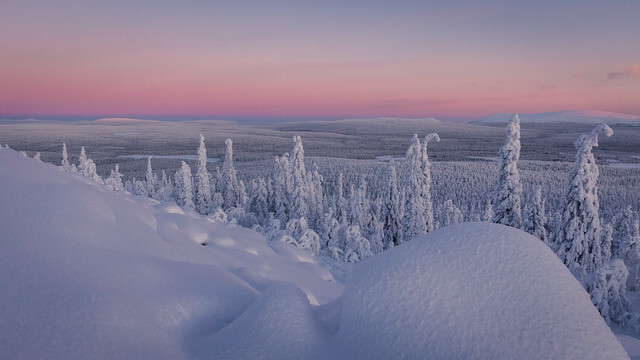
pixel 202 181
pixel 230 183
pixel 66 166
pixel 579 236
pixel 88 168
pixel 449 214
pixel 37 156
pixel 607 287
pixel 115 179
pixel 183 191
pixel 536 220
pixel 151 180
pixel 357 247
pixel 506 203
pixel 487 216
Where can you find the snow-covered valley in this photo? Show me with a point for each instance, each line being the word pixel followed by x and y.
pixel 92 273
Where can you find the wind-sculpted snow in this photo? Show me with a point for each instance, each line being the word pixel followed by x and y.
pixel 88 273
pixel 471 291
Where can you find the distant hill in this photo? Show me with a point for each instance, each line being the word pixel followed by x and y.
pixel 570 116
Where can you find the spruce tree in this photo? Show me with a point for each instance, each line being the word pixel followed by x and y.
pixel 230 183
pixel 537 219
pixel 506 203
pixel 202 181
pixel 392 211
pixel 183 190
pixel 66 166
pixel 578 238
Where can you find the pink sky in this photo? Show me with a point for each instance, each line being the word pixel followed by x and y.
pixel 230 61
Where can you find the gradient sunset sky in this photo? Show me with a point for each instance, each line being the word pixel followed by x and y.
pixel 317 59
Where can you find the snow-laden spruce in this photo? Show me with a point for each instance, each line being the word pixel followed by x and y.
pixel 536 220
pixel 578 239
pixel 418 216
pixel 184 186
pixel 202 181
pixel 506 201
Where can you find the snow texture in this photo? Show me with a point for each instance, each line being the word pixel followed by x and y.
pixel 471 291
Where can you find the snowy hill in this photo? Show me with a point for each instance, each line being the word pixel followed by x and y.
pixel 572 116
pixel 90 273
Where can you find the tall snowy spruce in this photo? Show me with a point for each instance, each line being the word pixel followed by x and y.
pixel 426 181
pixel 506 201
pixel 418 216
pixel 578 238
pixel 299 196
pixel 202 181
pixel 392 210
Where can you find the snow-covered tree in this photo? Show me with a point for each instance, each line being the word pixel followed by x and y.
pixel 426 181
pixel 579 236
pixel 607 288
pixel 115 179
pixel 392 210
pixel 66 166
pixel 449 214
pixel 183 191
pixel 536 220
pixel 202 181
pixel 506 203
pixel 230 185
pixel 87 167
pixel 357 247
pixel 151 180
pixel 487 215
pixel 37 156
pixel 414 221
pixel 299 195
pixel 258 203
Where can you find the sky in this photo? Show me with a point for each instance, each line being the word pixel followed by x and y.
pixel 238 59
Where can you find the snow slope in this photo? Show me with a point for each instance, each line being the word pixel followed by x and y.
pixel 92 274
pixel 88 273
pixel 570 116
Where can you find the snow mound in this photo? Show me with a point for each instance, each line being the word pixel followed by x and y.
pixel 471 291
pixel 569 116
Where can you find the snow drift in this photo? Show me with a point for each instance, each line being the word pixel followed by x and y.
pixel 471 291
pixel 90 273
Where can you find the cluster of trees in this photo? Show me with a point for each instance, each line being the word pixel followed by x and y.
pixel 352 220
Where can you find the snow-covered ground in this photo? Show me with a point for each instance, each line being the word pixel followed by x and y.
pixel 90 273
pixel 179 157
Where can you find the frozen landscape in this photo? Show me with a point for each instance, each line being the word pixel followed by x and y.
pixel 241 179
pixel 238 272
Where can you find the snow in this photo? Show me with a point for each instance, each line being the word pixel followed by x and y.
pixel 575 116
pixel 471 291
pixel 91 273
